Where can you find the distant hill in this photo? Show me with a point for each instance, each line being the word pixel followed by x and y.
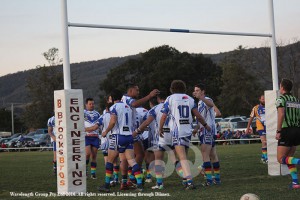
pixel 89 74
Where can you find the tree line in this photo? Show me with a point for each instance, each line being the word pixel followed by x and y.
pixel 234 83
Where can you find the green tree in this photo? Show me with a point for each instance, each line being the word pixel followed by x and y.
pixel 41 85
pixel 157 67
pixel 240 90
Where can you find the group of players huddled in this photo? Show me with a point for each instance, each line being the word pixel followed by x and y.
pixel 131 135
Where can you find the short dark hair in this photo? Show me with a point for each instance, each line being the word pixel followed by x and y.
pixel 130 85
pixel 88 99
pixel 153 100
pixel 116 95
pixel 202 86
pixel 178 86
pixel 286 84
pixel 162 95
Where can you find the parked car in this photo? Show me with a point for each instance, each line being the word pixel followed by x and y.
pixel 31 134
pixel 12 143
pixel 218 119
pixel 25 142
pixel 15 135
pixel 230 122
pixel 41 140
pixel 242 125
pixel 4 140
pixel 41 131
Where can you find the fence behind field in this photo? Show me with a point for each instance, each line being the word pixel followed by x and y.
pixel 193 141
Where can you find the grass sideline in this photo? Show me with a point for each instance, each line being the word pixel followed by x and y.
pixel 241 172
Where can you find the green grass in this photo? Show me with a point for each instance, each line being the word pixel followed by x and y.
pixel 241 172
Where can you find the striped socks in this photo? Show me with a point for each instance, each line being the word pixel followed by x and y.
pixel 216 167
pixel 93 167
pixel 207 169
pixel 108 173
pixel 179 169
pixel 130 175
pixel 148 176
pixel 116 173
pixel 290 160
pixel 159 174
pixel 264 154
pixel 137 174
pixel 293 172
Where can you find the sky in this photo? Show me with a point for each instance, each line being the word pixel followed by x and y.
pixel 30 27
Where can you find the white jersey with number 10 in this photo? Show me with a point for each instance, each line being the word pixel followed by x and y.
pixel 178 107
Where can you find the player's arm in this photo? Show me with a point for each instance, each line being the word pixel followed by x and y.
pixel 208 102
pixel 161 124
pixel 217 111
pixel 142 101
pixel 196 129
pixel 50 132
pixel 248 125
pixel 92 128
pixel 144 125
pixel 280 118
pixel 201 119
pixel 112 122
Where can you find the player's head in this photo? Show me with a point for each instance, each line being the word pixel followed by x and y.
pixel 161 96
pixel 89 104
pixel 153 102
pixel 262 99
pixel 109 102
pixel 199 90
pixel 286 86
pixel 116 95
pixel 133 90
pixel 178 86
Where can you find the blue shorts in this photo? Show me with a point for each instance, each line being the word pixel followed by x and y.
pixel 93 141
pixel 137 138
pixel 54 146
pixel 183 141
pixel 165 147
pixel 261 132
pixel 206 137
pixel 146 144
pixel 121 143
pixel 105 152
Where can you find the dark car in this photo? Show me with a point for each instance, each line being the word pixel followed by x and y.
pixel 31 134
pixel 41 131
pixel 15 135
pixel 4 140
pixel 25 142
pixel 41 140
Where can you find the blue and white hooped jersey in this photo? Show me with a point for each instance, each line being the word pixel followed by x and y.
pixel 208 113
pixel 91 118
pixel 150 131
pixel 156 113
pixel 104 122
pixel 179 107
pixel 51 123
pixel 128 101
pixel 141 116
pixel 123 124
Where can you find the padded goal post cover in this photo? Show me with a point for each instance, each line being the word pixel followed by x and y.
pixel 274 168
pixel 70 142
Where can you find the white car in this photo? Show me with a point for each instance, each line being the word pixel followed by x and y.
pixel 230 122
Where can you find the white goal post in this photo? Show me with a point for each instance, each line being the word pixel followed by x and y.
pixel 70 96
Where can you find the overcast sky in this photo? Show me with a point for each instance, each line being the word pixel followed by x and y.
pixel 31 27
